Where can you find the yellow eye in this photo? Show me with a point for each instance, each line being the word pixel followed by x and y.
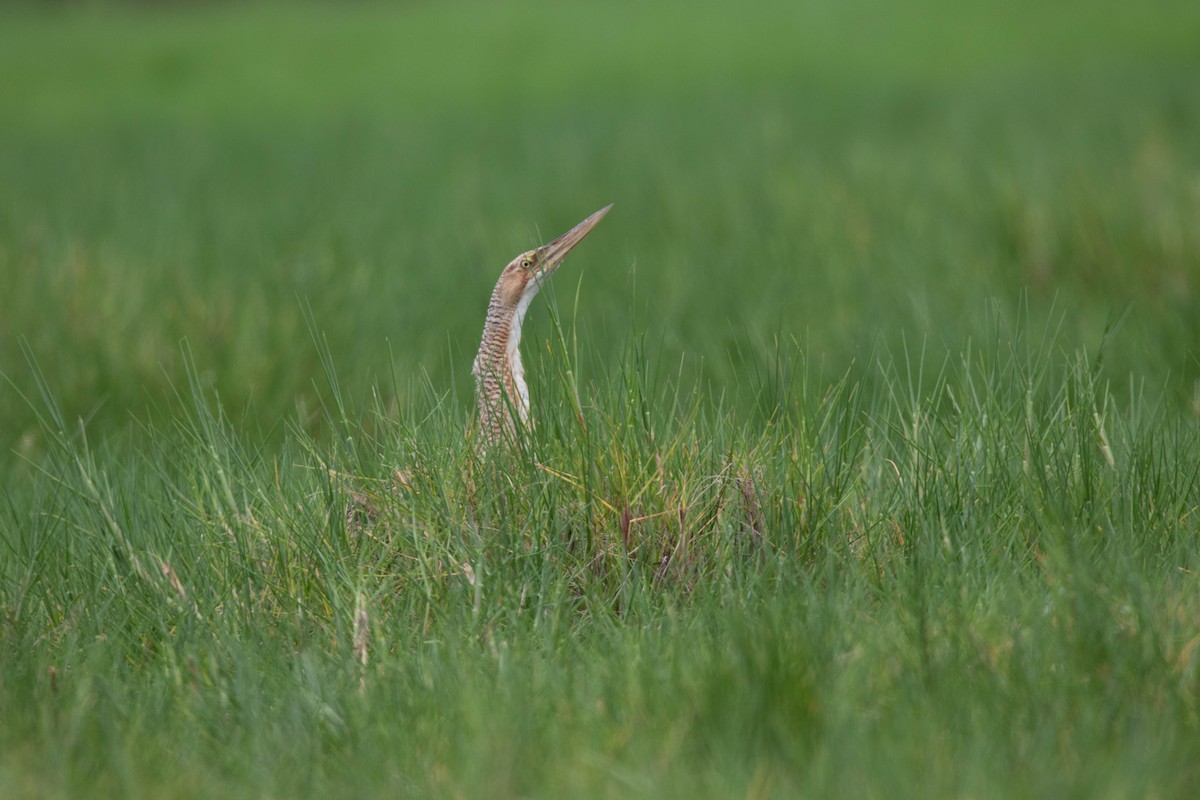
pixel 526 263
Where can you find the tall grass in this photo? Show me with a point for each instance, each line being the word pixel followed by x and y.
pixel 980 584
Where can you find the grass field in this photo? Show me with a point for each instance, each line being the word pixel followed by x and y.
pixel 867 460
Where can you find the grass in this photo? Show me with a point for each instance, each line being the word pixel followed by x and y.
pixel 867 459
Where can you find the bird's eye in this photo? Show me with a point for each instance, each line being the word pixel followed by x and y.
pixel 526 263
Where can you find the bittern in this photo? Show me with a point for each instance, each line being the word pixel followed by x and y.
pixel 499 376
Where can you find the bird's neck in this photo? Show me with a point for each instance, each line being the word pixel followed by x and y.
pixel 512 350
pixel 499 373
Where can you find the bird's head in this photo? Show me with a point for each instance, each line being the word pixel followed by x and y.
pixel 526 273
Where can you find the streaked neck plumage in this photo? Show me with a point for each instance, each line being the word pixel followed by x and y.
pixel 499 374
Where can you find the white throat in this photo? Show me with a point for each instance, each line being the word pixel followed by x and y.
pixel 513 346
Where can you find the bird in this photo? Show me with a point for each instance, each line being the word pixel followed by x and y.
pixel 500 388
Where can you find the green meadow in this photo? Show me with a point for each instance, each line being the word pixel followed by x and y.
pixel 867 448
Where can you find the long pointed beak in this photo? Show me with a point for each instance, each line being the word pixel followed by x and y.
pixel 550 256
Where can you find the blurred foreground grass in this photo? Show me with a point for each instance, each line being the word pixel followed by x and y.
pixel 885 479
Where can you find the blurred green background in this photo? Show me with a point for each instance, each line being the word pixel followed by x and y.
pixel 854 176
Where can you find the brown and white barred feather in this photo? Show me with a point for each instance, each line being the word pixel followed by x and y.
pixel 499 375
